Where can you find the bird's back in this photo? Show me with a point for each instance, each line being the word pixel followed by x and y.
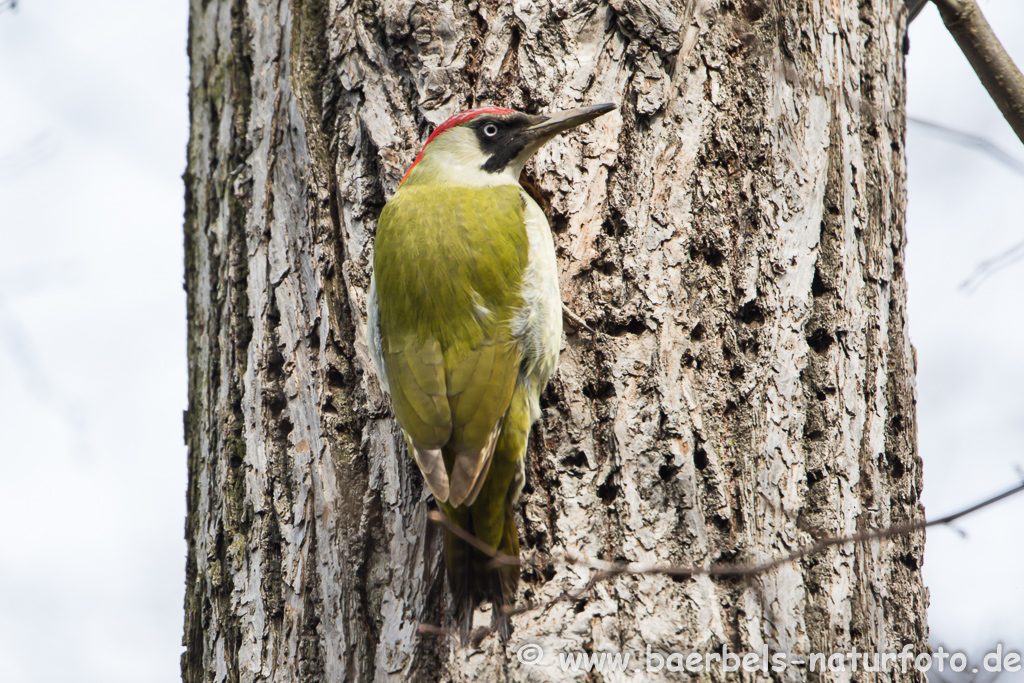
pixel 452 366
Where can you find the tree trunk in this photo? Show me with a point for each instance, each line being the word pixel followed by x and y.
pixel 734 235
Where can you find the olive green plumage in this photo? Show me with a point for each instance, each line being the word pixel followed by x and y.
pixel 449 269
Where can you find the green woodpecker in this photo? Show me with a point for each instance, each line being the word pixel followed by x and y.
pixel 464 328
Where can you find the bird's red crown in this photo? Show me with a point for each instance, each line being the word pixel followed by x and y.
pixel 451 122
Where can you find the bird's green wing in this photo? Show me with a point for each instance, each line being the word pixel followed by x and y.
pixel 449 267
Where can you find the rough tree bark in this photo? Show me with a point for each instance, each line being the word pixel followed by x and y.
pixel 735 237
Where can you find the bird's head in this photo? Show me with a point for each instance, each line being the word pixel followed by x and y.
pixel 489 146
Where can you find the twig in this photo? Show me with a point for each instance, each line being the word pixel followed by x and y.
pixel 995 69
pixel 725 570
pixel 974 142
pixel 442 519
pixel 607 570
pixel 989 267
pixel 431 630
pixel 992 265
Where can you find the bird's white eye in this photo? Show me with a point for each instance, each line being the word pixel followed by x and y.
pixel 490 130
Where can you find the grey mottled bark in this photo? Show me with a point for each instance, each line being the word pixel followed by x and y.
pixel 734 234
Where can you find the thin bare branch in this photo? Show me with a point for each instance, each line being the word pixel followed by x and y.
pixel 607 570
pixel 991 266
pixel 437 631
pixel 442 519
pixel 825 543
pixel 973 141
pixel 988 57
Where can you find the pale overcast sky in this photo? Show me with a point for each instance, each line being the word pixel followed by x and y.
pixel 93 126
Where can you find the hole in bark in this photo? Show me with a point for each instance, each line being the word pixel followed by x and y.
pixel 896 424
pixel 666 472
pixel 721 522
pixel 700 458
pixel 275 365
pixel 335 380
pixel 895 465
pixel 813 435
pixel 910 562
pixel 276 403
pixel 730 407
pixel 820 340
pixel 711 254
pixel 235 461
pixel 687 360
pixel 753 11
pixel 736 374
pixel 697 333
pixel 575 459
pixel 818 287
pixel 750 314
pixel 824 392
pixel 559 223
pixel 580 606
pixel 218 542
pixel 599 390
pixel 633 326
pixel 726 353
pixel 615 225
pixel 608 491
pixel 814 476
pixel 550 397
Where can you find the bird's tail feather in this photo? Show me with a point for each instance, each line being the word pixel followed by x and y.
pixel 473 579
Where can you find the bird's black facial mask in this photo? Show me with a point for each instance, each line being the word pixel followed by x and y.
pixel 501 138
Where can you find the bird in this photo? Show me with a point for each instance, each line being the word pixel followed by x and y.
pixel 464 329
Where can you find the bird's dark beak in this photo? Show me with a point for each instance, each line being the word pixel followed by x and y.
pixel 518 147
pixel 552 124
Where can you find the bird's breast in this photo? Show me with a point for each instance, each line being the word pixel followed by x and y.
pixel 538 323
